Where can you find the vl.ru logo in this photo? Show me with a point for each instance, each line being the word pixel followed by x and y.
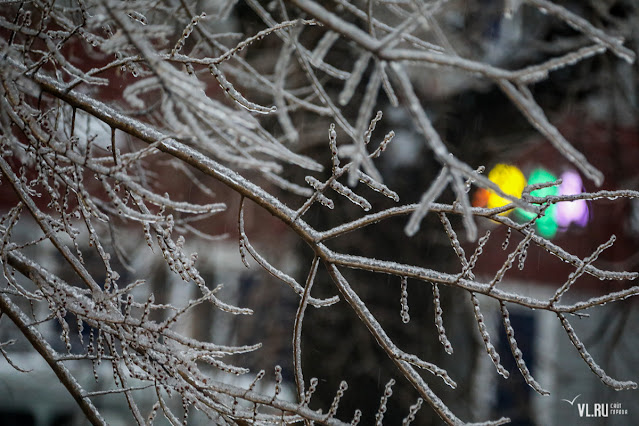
pixel 597 409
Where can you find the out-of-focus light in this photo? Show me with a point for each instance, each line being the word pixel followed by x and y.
pixel 571 211
pixel 510 180
pixel 547 224
pixel 480 197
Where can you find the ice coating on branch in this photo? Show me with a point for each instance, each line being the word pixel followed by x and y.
pixel 169 125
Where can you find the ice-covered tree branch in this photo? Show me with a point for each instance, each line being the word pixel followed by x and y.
pixel 288 112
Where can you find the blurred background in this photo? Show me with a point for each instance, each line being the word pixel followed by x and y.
pixel 594 105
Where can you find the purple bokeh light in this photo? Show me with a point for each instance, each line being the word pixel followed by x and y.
pixel 571 211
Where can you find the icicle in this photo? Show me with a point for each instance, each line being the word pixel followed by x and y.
pixel 278 381
pixel 523 255
pixel 388 392
pixel 504 245
pixel 80 330
pixel 185 407
pixel 127 309
pixel 454 241
pixel 259 36
pixel 153 413
pixel 353 197
pixel 359 157
pixel 412 412
pixel 147 308
pixel 137 16
pixel 65 335
pixel 356 417
pixel 519 359
pixel 319 187
pixel 490 349
pixel 237 96
pixel 470 180
pixel 258 377
pixel 580 270
pixel 242 247
pixel 439 321
pixel 332 143
pixel 377 186
pixel 343 386
pixel 92 352
pixel 311 389
pixel 383 144
pixel 403 300
pixel 523 244
pixel 371 127
pixel 467 271
pixel 234 409
pixel 186 33
pixel 606 379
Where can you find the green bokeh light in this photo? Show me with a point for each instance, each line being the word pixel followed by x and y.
pixel 547 224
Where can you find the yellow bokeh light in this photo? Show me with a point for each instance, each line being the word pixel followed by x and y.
pixel 510 180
